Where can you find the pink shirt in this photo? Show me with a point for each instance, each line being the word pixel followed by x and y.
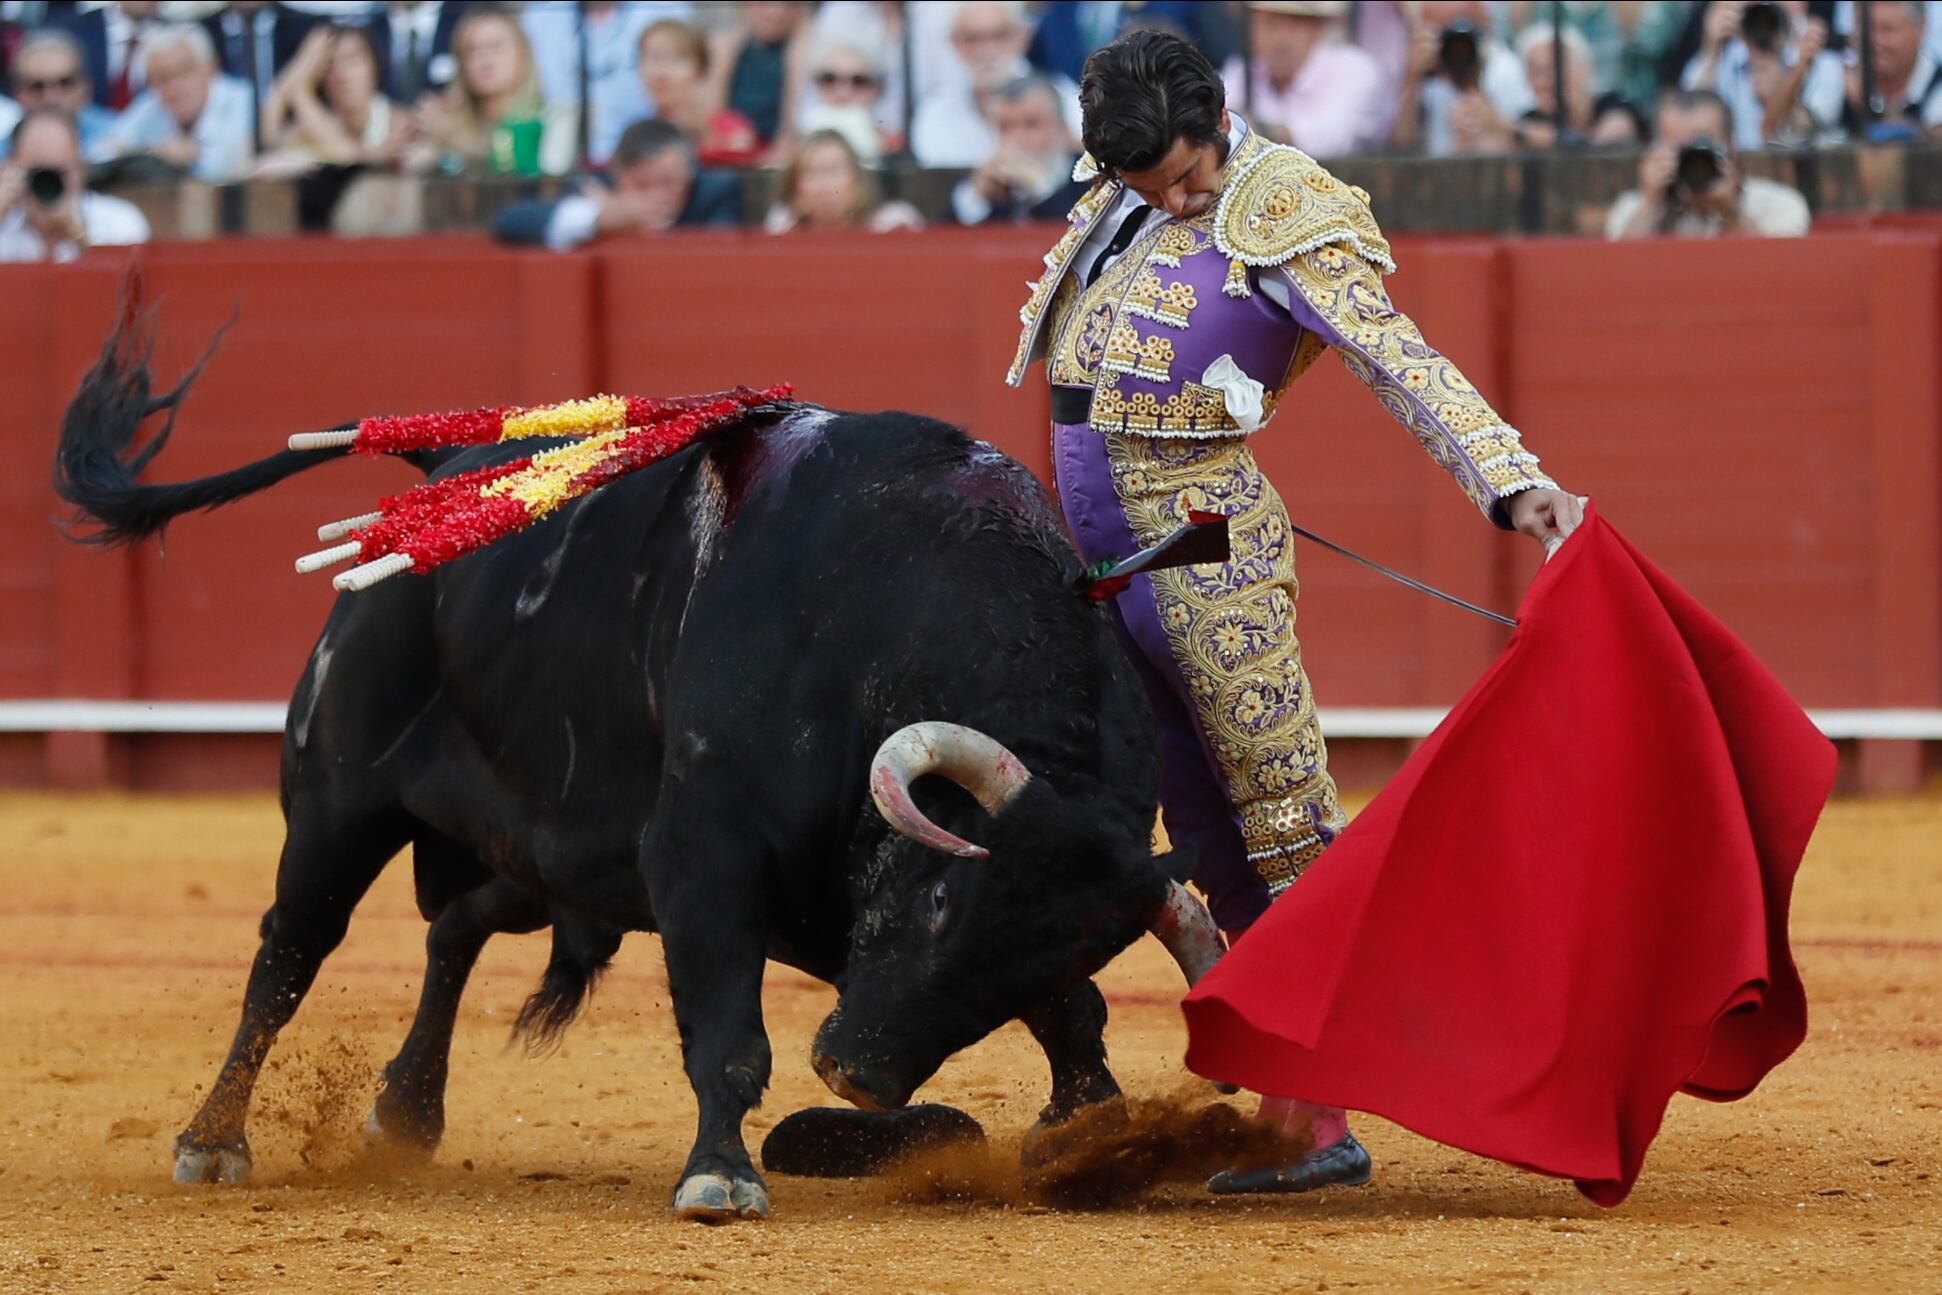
pixel 1333 106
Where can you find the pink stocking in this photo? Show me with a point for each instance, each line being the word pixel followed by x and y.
pixel 1327 1125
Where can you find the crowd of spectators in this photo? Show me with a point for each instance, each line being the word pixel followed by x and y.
pixel 640 104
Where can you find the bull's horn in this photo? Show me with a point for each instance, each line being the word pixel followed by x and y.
pixel 978 763
pixel 1188 930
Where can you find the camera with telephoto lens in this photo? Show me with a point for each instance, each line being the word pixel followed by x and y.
pixel 1701 163
pixel 47 185
pixel 1459 53
pixel 1764 25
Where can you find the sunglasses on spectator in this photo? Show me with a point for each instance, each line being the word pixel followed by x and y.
pixel 854 80
pixel 72 81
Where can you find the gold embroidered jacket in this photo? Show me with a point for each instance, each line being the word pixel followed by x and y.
pixel 1143 337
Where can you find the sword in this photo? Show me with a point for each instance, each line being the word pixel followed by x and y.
pixel 1204 539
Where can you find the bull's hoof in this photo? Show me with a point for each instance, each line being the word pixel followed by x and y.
pixel 751 1199
pixel 400 1139
pixel 712 1198
pixel 195 1163
pixel 1058 1134
pixel 831 1142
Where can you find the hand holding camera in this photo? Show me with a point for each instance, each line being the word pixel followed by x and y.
pixel 1706 178
pixel 1425 48
pixel 1658 169
pixel 1700 166
pixel 1459 54
pixel 42 187
pixel 48 197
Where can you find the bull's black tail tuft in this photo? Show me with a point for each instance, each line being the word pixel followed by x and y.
pixel 96 463
pixel 581 955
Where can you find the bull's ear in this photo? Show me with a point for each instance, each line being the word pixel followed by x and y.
pixel 1178 863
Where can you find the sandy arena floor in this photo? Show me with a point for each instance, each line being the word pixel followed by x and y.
pixel 126 926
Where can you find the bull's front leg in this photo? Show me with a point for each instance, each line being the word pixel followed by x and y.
pixel 708 905
pixel 1072 1030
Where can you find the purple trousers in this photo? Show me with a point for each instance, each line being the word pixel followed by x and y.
pixel 1193 799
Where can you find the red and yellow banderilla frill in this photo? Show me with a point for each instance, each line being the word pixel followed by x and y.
pixel 438 521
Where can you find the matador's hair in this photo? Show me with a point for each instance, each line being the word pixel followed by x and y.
pixel 1144 91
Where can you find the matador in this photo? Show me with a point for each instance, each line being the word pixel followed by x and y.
pixel 1203 273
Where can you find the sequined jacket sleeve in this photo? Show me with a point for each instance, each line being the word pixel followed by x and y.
pixel 1340 296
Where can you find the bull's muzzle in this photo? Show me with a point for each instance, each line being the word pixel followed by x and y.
pixel 856 1086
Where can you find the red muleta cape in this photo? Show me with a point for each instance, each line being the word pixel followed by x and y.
pixel 1570 903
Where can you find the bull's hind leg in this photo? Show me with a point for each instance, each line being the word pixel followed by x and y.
pixel 326 868
pixel 705 887
pixel 410 1110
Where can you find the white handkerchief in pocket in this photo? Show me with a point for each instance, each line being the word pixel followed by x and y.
pixel 1242 393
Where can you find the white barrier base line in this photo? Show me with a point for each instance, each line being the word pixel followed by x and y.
pixel 64 716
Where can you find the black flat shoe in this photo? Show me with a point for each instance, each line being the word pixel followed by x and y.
pixel 1340 1164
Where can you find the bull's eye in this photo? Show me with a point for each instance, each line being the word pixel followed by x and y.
pixel 940 906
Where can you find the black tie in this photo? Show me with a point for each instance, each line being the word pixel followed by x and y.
pixel 411 77
pixel 251 69
pixel 1129 229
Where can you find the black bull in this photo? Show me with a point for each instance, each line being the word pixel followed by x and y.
pixel 668 709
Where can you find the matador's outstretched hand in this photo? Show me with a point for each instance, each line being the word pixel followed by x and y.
pixel 1546 515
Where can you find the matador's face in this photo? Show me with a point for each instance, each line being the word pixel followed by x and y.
pixel 1186 182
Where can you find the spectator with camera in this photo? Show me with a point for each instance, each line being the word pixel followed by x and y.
pixel 1769 61
pixel 1464 90
pixel 652 185
pixel 1029 175
pixel 1691 186
pixel 190 119
pixel 49 71
pixel 1907 100
pixel 1305 85
pixel 47 212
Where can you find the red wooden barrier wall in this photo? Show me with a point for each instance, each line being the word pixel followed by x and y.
pixel 1761 417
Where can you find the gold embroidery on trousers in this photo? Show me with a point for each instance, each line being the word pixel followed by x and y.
pixel 1231 627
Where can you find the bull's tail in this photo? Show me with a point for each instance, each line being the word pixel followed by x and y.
pixel 97 462
pixel 581 955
